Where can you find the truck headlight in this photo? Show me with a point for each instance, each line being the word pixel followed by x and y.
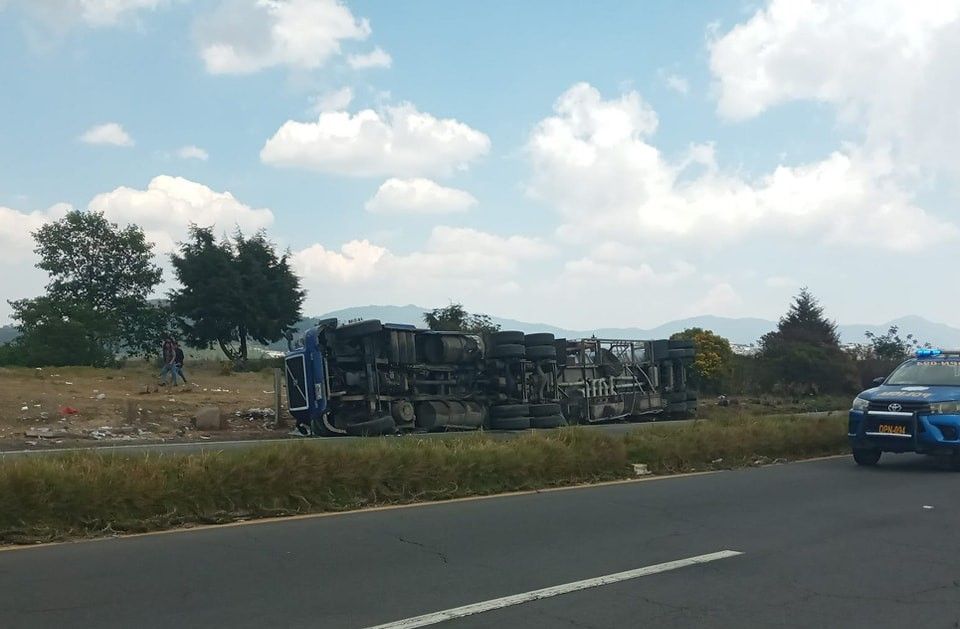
pixel 945 408
pixel 859 404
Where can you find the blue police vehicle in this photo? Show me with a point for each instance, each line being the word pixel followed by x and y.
pixel 914 409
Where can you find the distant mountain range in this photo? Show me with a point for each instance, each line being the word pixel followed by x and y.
pixel 742 331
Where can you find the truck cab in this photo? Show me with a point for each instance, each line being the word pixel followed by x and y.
pixel 914 409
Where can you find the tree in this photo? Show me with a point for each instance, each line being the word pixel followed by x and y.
pixel 232 291
pixel 889 346
pixel 804 353
pixel 454 318
pixel 96 303
pixel 714 359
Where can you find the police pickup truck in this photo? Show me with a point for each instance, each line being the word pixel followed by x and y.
pixel 914 409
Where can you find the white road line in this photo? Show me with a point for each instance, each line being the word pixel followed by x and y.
pixel 556 590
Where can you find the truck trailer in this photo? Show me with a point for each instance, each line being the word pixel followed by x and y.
pixel 373 378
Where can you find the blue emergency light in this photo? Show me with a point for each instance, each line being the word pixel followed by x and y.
pixel 926 352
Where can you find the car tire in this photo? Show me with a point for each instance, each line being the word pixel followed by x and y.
pixel 509 410
pixel 544 410
pixel 867 457
pixel 510 350
pixel 507 337
pixel 541 352
pixel 539 338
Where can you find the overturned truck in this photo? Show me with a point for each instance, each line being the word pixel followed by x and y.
pixel 373 378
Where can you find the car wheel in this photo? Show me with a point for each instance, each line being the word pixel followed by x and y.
pixel 866 456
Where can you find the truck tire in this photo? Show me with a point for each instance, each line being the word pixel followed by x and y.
pixel 319 429
pixel 509 410
pixel 867 457
pixel 510 423
pixel 676 408
pixel 547 421
pixel 681 353
pixel 506 337
pixel 675 396
pixel 541 352
pixel 680 344
pixel 509 350
pixel 692 396
pixel 544 410
pixel 379 426
pixel 540 338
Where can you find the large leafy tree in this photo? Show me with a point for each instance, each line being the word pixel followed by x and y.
pixel 234 290
pixel 455 318
pixel 96 302
pixel 714 359
pixel 804 353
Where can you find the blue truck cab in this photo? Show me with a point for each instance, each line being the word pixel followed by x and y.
pixel 914 409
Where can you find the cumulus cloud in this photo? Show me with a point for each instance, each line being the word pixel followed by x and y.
pixel 399 141
pixel 453 263
pixel 109 133
pixel 888 67
pixel 336 100
pixel 376 58
pixel 61 14
pixel 246 36
pixel 594 162
pixel 168 205
pixel 192 152
pixel 418 196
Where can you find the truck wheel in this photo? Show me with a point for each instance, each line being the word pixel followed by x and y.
pixel 541 352
pixel 540 338
pixel 544 410
pixel 319 429
pixel 510 350
pixel 692 396
pixel 507 337
pixel 681 353
pixel 680 344
pixel 510 423
pixel 379 426
pixel 866 456
pixel 549 421
pixel 509 410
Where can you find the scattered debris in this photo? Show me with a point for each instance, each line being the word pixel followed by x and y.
pixel 68 410
pixel 640 469
pixel 256 413
pixel 101 396
pixel 928 507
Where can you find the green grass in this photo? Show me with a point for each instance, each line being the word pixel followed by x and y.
pixel 88 494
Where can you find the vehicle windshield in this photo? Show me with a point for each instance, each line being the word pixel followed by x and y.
pixel 927 372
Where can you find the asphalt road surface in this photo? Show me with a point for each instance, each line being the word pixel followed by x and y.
pixel 823 543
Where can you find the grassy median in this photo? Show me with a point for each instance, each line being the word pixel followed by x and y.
pixel 88 494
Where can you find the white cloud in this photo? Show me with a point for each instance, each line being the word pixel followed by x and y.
pixel 721 299
pixel 376 58
pixel 336 100
pixel 62 14
pixel 167 207
pixel 418 196
pixel 20 278
pixel 594 163
pixel 109 133
pixel 454 263
pixel 399 141
pixel 246 36
pixel 192 152
pixel 677 83
pixel 888 67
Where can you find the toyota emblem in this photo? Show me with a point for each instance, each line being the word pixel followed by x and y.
pixel 895 408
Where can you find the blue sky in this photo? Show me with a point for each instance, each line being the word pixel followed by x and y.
pixel 586 164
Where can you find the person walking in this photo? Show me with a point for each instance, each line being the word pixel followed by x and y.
pixel 169 355
pixel 178 363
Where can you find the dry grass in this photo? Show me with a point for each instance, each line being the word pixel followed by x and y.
pixel 89 494
pixel 129 397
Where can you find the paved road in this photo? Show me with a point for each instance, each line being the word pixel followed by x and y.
pixel 217 446
pixel 824 543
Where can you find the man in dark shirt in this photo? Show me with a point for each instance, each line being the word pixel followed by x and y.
pixel 178 363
